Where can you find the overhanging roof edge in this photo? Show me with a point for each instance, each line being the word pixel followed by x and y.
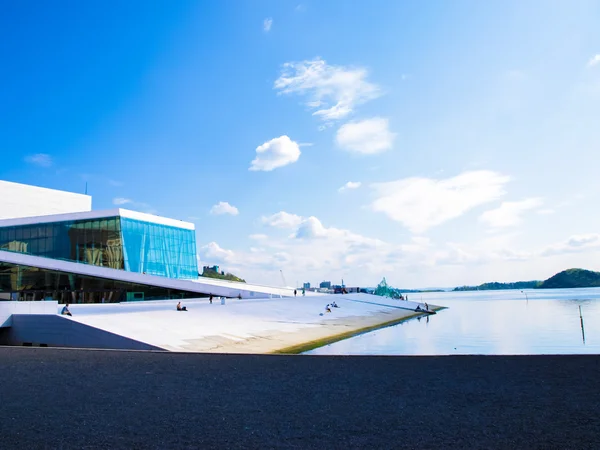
pixel 126 213
pixel 201 287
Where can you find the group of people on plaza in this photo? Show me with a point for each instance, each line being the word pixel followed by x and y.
pixel 180 307
pixel 329 306
pixel 66 312
pixel 421 309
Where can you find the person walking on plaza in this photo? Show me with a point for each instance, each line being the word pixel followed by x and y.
pixel 303 292
pixel 210 299
pixel 295 292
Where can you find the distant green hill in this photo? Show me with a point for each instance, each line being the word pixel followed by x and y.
pixel 572 278
pixel 210 272
pixel 495 286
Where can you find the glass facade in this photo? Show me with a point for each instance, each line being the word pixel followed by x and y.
pixel 113 242
pixel 19 282
pixel 159 249
pixel 93 241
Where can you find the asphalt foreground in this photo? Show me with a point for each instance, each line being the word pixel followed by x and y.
pixel 60 398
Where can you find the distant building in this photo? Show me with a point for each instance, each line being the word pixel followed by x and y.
pixel 325 285
pixel 211 269
pixel 306 285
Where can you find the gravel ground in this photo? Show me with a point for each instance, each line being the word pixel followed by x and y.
pixel 60 398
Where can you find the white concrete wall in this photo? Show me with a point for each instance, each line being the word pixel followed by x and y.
pixel 8 308
pixel 22 200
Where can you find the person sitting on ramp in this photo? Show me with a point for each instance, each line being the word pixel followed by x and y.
pixel 65 311
pixel 181 308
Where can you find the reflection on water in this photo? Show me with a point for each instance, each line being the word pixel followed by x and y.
pixel 490 323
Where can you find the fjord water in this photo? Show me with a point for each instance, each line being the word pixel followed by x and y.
pixel 488 323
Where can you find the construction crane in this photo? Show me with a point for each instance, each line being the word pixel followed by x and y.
pixel 283 278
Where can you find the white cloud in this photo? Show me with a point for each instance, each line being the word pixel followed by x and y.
pixel 456 254
pixel 422 203
pixel 40 159
pixel 546 211
pixel 240 263
pixel 509 214
pixel 312 233
pixel 115 183
pixel 333 91
pixel 583 240
pixel 121 201
pixel 275 153
pixel 212 251
pixel 258 237
pixel 224 208
pixel 267 23
pixel 306 249
pixel 311 248
pixel 595 60
pixel 140 206
pixel 368 136
pixel 350 185
pixel 501 249
pixel 574 244
pixel 282 219
pixel 493 249
pixel 311 228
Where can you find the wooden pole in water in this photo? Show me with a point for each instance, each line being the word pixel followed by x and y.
pixel 581 320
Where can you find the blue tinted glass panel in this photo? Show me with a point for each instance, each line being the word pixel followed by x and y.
pixel 157 249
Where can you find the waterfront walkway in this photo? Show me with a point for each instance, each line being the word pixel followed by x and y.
pixel 63 398
pixel 244 326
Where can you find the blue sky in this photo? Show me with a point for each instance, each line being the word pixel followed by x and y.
pixel 468 131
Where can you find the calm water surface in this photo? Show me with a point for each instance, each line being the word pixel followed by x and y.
pixel 489 323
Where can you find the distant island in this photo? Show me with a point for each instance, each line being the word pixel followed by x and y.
pixel 571 278
pixel 495 286
pixel 213 272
